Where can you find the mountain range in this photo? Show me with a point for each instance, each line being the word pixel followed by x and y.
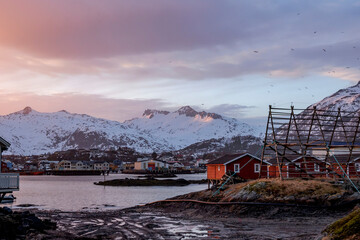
pixel 31 132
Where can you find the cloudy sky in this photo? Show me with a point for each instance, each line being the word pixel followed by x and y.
pixel 115 58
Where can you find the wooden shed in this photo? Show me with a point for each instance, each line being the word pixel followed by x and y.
pixel 245 165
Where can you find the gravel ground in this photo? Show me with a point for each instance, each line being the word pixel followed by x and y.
pixel 170 222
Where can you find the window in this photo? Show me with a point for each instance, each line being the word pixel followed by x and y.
pixel 219 168
pixel 257 168
pixel 236 168
pixel 298 167
pixel 357 167
pixel 316 167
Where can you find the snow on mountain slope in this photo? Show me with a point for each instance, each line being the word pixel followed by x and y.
pixel 348 99
pixel 186 126
pixel 31 132
pixel 332 127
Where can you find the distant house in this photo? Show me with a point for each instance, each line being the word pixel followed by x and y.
pixel 47 165
pixel 128 165
pixel 174 165
pixel 82 165
pixel 201 163
pixel 150 165
pixel 244 165
pixel 104 166
pixel 69 165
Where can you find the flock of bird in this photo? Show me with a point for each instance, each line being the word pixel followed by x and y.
pixel 324 50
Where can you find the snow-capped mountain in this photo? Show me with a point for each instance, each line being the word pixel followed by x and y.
pixel 187 126
pixel 348 99
pixel 326 125
pixel 31 132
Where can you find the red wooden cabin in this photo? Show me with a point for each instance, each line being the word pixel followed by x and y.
pixel 352 168
pixel 244 165
pixel 308 166
pixel 297 167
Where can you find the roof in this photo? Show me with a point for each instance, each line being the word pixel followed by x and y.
pixel 292 158
pixel 4 144
pixel 343 158
pixel 228 158
pixel 100 162
pixel 152 160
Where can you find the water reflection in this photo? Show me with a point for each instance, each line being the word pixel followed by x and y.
pixel 74 193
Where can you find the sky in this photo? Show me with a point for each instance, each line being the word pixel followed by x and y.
pixel 115 58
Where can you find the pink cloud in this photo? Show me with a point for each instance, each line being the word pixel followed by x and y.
pixel 89 28
pixel 94 105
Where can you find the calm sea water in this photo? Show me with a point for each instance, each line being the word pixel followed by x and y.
pixel 75 193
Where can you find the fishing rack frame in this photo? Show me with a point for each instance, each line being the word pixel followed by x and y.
pixel 311 134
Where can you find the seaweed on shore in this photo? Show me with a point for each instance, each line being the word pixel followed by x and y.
pixel 347 227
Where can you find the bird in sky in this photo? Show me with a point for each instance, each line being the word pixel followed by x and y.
pixel 255 51
pixel 324 49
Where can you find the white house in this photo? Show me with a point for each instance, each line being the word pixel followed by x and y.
pixel 176 165
pixel 150 164
pixel 105 166
pixel 47 165
pixel 70 165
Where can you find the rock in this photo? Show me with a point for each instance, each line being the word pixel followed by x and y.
pixel 252 196
pixel 289 199
pixel 310 201
pixel 6 210
pixel 152 225
pixel 335 197
pixel 353 197
pixel 14 225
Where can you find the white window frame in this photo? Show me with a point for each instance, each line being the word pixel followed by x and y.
pixel 316 167
pixel 257 167
pixel 298 169
pixel 237 168
pixel 219 168
pixel 357 167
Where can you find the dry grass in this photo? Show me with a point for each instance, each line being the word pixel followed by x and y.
pixel 277 188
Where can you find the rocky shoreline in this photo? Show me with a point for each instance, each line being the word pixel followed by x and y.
pixel 255 210
pixel 20 224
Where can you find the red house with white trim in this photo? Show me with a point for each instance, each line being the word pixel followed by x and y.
pixel 245 165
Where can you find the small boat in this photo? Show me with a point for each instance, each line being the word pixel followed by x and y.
pixel 8 199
